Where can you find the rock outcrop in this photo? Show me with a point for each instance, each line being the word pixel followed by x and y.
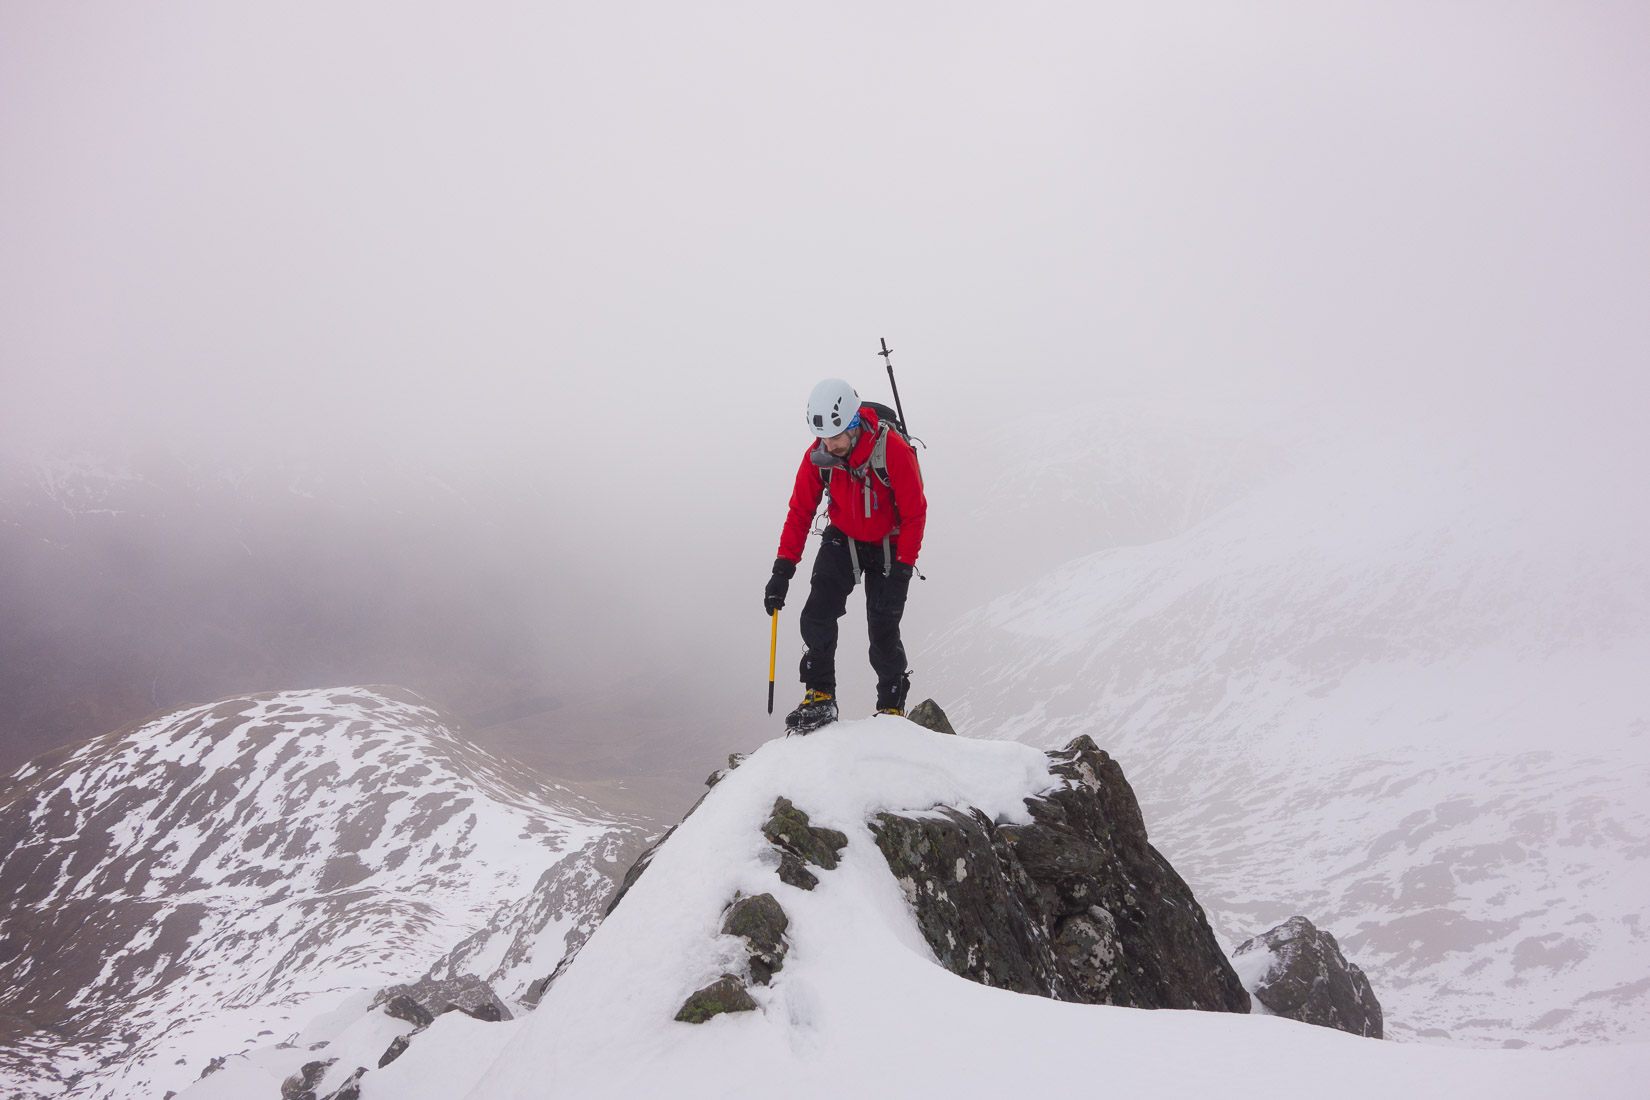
pixel 301 1085
pixel 421 1002
pixel 798 842
pixel 734 760
pixel 1298 971
pixel 928 715
pixel 305 1084
pixel 417 1004
pixel 1077 905
pixel 760 922
pixel 726 994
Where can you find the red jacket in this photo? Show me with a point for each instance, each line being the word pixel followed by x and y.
pixel 904 508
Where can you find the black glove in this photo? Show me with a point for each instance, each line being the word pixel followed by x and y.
pixel 778 584
pixel 902 571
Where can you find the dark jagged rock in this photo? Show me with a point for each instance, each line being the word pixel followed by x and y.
pixel 301 1085
pixel 409 1010
pixel 734 760
pixel 726 994
pixel 788 830
pixel 792 872
pixel 928 715
pixel 1311 981
pixel 1076 905
pixel 488 1013
pixel 395 1050
pixel 970 899
pixel 423 1001
pixel 350 1089
pixel 214 1065
pixel 761 923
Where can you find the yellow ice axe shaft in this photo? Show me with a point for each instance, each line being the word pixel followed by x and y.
pixel 773 651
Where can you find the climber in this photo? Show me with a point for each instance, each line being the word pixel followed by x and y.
pixel 862 460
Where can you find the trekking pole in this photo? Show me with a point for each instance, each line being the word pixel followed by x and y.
pixel 773 651
pixel 887 353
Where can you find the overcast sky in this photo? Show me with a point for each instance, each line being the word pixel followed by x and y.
pixel 467 226
pixel 622 241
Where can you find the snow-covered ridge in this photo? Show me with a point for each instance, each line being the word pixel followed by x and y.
pixel 198 879
pixel 861 1006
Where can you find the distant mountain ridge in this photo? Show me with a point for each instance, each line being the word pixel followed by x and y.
pixel 138 584
pixel 204 876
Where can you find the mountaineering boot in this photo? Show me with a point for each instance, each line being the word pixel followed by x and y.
pixel 891 697
pixel 818 708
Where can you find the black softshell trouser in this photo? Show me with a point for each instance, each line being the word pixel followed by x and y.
pixel 832 581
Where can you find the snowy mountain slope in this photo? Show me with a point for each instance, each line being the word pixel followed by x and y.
pixel 861 1007
pixel 1404 697
pixel 178 888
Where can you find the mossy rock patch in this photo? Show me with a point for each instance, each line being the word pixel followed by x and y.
pixel 726 994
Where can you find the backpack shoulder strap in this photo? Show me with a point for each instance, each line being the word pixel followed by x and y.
pixel 879 457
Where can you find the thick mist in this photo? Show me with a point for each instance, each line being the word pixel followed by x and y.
pixel 563 275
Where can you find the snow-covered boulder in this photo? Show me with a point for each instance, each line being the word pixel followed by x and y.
pixel 1297 970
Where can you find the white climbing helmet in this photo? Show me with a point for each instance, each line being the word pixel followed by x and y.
pixel 832 408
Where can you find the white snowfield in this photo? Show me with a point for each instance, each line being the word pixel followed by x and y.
pixel 861 1008
pixel 247 863
pixel 1400 695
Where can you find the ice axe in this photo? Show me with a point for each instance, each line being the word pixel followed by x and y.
pixel 773 651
